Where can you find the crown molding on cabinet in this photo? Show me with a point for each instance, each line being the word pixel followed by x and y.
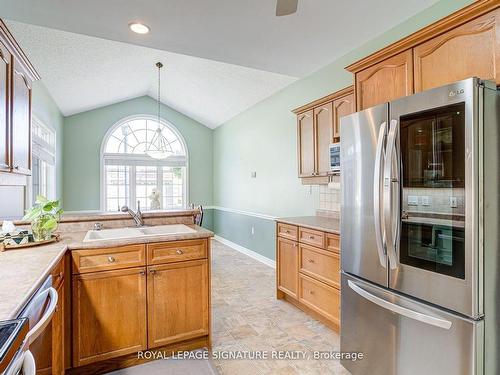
pixel 441 26
pixel 325 99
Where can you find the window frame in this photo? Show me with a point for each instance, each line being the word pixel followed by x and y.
pixel 40 147
pixel 133 160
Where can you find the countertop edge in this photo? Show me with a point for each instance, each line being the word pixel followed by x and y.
pixel 309 226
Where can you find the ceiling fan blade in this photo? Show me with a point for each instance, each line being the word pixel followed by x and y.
pixel 286 7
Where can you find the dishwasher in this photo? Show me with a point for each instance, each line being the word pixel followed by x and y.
pixel 38 312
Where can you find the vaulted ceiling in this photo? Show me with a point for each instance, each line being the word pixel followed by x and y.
pixel 221 56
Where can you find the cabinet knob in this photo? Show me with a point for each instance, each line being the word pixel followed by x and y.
pixel 142 273
pixel 152 272
pixel 16 167
pixel 111 259
pixel 311 292
pixel 311 237
pixel 310 260
pixel 179 251
pixel 287 231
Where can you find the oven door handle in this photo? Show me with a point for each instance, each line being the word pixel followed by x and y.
pixel 44 321
pixel 377 179
pixel 391 181
pixel 400 310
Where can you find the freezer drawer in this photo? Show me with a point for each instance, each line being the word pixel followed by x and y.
pixel 400 336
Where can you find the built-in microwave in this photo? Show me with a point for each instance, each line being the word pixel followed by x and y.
pixel 335 157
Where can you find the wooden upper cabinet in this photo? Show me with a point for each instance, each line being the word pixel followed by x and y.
pixel 178 307
pixel 470 50
pixel 5 65
pixel 389 79
pixel 306 141
pixel 323 119
pixel 342 106
pixel 21 120
pixel 109 314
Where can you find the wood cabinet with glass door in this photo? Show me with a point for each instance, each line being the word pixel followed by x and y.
pixel 5 69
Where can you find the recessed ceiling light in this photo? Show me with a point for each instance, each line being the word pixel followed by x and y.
pixel 138 28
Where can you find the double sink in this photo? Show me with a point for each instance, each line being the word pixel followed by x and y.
pixel 122 233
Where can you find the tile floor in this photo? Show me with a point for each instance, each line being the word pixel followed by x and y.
pixel 248 318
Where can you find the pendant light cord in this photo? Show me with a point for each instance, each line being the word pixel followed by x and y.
pixel 159 65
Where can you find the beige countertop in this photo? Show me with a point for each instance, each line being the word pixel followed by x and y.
pixel 23 271
pixel 323 223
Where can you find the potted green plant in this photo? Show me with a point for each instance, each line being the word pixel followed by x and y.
pixel 44 217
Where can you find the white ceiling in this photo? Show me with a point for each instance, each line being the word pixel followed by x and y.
pixel 83 73
pixel 242 32
pixel 221 56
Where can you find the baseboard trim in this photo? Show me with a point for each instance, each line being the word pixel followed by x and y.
pixel 250 253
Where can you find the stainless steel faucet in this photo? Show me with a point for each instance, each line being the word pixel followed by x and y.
pixel 137 216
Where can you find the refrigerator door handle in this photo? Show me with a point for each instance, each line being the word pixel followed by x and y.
pixel 391 213
pixel 400 310
pixel 379 229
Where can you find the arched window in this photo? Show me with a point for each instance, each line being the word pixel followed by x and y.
pixel 129 175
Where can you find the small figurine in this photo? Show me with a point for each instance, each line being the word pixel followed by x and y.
pixel 155 200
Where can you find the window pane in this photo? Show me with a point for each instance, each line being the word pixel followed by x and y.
pixel 146 183
pixel 173 187
pixel 117 186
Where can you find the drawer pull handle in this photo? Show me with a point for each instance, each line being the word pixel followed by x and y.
pixel 310 260
pixel 287 231
pixel 111 259
pixel 152 272
pixel 142 273
pixel 180 252
pixel 311 237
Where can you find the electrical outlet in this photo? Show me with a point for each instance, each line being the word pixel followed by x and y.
pixel 253 231
pixel 253 175
pixel 412 200
pixel 425 200
pixel 453 202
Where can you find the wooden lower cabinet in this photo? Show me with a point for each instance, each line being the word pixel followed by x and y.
pixel 287 272
pixel 109 314
pixel 163 304
pixel 308 271
pixel 177 302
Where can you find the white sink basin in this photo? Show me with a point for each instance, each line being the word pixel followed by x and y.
pixel 121 233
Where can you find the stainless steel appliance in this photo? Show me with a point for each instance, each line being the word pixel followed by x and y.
pixel 38 312
pixel 420 215
pixel 335 157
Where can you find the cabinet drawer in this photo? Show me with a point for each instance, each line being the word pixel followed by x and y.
pixel 320 264
pixel 92 260
pixel 176 251
pixel 312 237
pixel 333 242
pixel 288 231
pixel 321 298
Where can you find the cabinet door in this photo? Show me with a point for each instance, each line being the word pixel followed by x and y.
pixel 471 50
pixel 288 267
pixel 109 314
pixel 341 107
pixel 305 140
pixel 390 79
pixel 21 120
pixel 324 123
pixel 5 64
pixel 177 302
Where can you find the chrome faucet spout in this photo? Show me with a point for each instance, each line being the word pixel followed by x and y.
pixel 136 216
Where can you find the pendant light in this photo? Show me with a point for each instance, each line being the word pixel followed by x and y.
pixel 159 147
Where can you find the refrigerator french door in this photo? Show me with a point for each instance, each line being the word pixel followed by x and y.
pixel 414 225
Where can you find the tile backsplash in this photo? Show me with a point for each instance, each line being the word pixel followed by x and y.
pixel 440 201
pixel 329 197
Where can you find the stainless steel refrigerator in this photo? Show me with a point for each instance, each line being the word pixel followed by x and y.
pixel 419 233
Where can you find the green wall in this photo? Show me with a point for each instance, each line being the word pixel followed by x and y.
pixel 46 110
pixel 83 135
pixel 263 139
